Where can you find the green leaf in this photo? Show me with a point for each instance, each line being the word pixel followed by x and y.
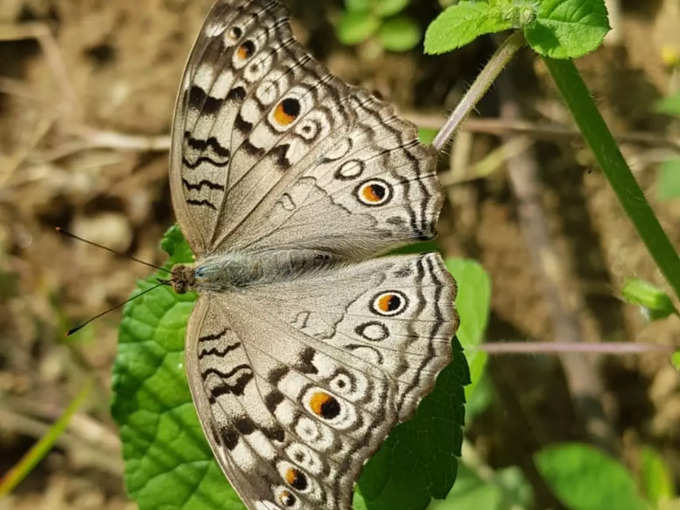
pixel 419 247
pixel 418 459
pixel 359 5
pixel 168 463
pixel 568 28
pixel 399 34
pixel 357 26
pixel 385 8
pixel 380 8
pixel 358 503
pixel 473 304
pixel 470 493
pixel 173 244
pixel 584 478
pixel 656 301
pixel 656 477
pixel 675 360
pixel 668 185
pixel 462 23
pixel 506 489
pixel 669 105
pixel 427 135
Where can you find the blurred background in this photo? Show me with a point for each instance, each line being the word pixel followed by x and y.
pixel 86 96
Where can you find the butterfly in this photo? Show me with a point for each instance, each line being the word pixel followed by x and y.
pixel 303 351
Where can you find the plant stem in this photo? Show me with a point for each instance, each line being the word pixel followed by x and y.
pixel 608 155
pixel 574 347
pixel 481 84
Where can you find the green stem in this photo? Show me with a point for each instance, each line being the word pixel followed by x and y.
pixel 491 70
pixel 616 169
pixel 16 474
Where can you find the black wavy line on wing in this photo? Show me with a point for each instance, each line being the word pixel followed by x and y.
pixel 212 142
pixel 202 202
pixel 225 375
pixel 216 336
pixel 204 182
pixel 216 352
pixel 203 159
pixel 234 389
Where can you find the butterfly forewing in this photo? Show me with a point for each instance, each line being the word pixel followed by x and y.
pixel 301 365
pixel 270 150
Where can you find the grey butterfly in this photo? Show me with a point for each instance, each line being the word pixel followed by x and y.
pixel 302 352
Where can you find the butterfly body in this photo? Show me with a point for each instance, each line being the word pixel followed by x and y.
pixel 235 270
pixel 303 350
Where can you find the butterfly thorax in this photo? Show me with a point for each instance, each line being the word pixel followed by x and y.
pixel 230 271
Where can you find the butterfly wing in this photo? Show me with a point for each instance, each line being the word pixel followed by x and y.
pixel 299 399
pixel 271 151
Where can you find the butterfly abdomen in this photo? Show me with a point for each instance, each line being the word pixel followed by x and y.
pixel 235 270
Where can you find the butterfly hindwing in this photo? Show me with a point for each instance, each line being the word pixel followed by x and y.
pixel 299 399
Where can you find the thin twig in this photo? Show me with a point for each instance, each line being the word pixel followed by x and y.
pixel 613 348
pixel 481 84
pixel 490 163
pixel 538 130
pixel 94 139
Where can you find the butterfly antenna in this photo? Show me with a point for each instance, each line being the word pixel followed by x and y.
pixel 81 326
pixel 73 236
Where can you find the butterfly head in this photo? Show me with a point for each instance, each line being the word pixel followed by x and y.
pixel 183 278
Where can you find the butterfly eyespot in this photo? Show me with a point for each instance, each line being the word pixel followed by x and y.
pixel 374 192
pixel 296 479
pixel 287 499
pixel 324 405
pixel 235 33
pixel 389 303
pixel 308 130
pixel 246 50
pixel 287 111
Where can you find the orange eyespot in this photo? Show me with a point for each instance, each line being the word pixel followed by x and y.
pixel 389 303
pixel 246 50
pixel 296 479
pixel 286 498
pixel 287 111
pixel 324 405
pixel 374 192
